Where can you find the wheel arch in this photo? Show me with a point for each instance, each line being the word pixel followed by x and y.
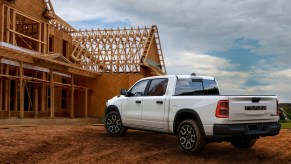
pixel 111 108
pixel 184 114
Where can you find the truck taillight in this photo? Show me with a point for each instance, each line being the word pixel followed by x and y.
pixel 222 109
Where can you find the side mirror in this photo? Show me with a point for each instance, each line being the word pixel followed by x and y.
pixel 124 92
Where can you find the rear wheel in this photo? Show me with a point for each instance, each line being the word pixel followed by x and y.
pixel 113 124
pixel 190 137
pixel 243 143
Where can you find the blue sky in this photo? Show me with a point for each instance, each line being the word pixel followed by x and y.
pixel 244 44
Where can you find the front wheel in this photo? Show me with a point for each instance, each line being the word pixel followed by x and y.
pixel 190 137
pixel 243 143
pixel 113 124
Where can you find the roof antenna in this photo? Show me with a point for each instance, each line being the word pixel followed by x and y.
pixel 193 74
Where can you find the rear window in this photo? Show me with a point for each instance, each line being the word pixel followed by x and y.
pixel 187 87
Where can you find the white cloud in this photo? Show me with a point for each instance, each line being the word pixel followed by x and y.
pixel 205 65
pixel 191 28
pixel 194 24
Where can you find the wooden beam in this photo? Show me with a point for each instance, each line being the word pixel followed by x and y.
pixel 8 25
pixel 64 67
pixel 1 87
pixel 13 26
pixel 28 37
pixel 86 102
pixel 7 90
pixel 16 91
pixel 43 95
pixel 39 37
pixel 7 53
pixel 72 98
pixel 45 38
pixel 2 23
pixel 21 91
pixel 35 101
pixel 52 95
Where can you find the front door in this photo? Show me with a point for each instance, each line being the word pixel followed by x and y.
pixel 132 105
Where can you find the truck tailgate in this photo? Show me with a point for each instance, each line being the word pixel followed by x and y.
pixel 244 108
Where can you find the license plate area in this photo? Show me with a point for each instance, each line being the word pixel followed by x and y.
pixel 255 108
pixel 253 127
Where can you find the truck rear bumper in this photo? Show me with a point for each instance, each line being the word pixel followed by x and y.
pixel 251 129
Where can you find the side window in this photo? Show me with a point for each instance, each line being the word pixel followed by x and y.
pixel 210 87
pixel 139 88
pixel 186 87
pixel 158 87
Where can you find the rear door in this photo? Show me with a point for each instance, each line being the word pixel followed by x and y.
pixel 153 111
pixel 244 108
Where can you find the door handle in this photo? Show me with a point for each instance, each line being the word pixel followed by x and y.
pixel 159 102
pixel 138 102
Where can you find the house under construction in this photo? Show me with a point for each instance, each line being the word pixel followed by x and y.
pixel 50 69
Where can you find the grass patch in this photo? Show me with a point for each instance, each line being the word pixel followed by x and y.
pixel 286 124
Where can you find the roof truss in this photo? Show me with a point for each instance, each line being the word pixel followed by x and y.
pixel 116 50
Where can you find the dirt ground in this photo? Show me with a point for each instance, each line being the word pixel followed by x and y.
pixel 90 144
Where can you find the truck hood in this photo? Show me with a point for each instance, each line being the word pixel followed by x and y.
pixel 114 99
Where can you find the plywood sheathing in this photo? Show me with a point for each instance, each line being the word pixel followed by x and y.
pixel 34 8
pixel 103 88
pixel 58 38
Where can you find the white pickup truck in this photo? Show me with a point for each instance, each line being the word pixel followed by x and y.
pixel 192 108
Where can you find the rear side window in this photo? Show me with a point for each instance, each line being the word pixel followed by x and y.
pixel 186 87
pixel 210 87
pixel 158 87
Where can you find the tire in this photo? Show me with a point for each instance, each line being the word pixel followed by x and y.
pixel 113 124
pixel 243 143
pixel 190 137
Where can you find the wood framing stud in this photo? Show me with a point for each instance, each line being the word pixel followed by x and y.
pixel 86 102
pixel 43 93
pixel 16 83
pixel 1 87
pixel 21 91
pixel 72 98
pixel 52 95
pixel 7 90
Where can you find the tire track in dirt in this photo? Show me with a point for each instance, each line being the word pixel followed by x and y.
pixel 90 144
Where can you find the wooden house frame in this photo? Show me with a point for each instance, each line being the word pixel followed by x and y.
pixel 50 69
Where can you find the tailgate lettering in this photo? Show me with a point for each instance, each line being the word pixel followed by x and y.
pixel 255 108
